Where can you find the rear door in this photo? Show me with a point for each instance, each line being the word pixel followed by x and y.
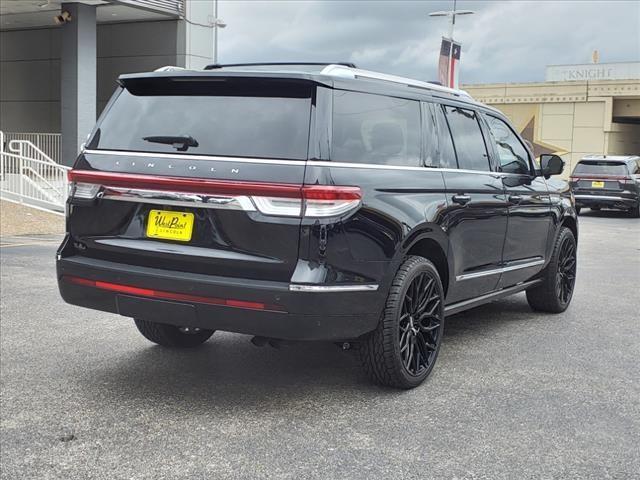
pixel 529 205
pixel 196 175
pixel 476 216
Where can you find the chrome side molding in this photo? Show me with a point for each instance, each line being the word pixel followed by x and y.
pixel 494 271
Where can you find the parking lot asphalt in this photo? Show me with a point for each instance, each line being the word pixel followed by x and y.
pixel 514 395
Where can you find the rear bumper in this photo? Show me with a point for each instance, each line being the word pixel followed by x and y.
pixel 285 314
pixel 607 201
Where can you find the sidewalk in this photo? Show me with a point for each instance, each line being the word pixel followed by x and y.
pixel 16 219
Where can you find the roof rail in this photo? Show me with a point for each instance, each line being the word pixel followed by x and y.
pixel 339 70
pixel 168 68
pixel 275 64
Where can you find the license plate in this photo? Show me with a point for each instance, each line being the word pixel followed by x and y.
pixel 170 225
pixel 597 184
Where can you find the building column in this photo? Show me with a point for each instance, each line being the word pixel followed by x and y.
pixel 77 78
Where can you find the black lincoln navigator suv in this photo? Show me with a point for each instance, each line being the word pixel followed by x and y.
pixel 311 202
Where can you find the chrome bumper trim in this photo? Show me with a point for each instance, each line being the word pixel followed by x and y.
pixel 294 287
pixel 178 199
pixel 603 197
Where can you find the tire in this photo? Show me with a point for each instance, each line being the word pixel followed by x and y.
pixel 554 294
pixel 172 336
pixel 635 212
pixel 578 210
pixel 386 352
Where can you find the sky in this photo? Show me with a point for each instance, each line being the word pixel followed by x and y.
pixel 504 41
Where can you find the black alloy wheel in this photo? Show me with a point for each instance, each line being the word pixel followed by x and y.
pixel 566 274
pixel 554 292
pixel 403 349
pixel 419 324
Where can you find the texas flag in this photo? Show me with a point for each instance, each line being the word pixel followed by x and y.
pixel 448 63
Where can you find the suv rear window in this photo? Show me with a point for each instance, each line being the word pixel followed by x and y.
pixel 375 129
pixel 226 123
pixel 600 168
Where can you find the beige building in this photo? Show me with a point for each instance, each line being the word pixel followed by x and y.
pixel 570 118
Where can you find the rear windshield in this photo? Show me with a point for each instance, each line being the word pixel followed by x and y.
pixel 227 122
pixel 600 168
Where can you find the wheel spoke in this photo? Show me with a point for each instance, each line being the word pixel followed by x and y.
pixel 426 296
pixel 410 355
pixel 431 327
pixel 422 348
pixel 418 356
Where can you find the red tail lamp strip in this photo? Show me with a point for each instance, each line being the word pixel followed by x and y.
pixel 210 186
pixel 162 295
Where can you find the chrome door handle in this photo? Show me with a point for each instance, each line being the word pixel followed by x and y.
pixel 461 199
pixel 515 199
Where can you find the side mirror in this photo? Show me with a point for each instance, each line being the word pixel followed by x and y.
pixel 550 165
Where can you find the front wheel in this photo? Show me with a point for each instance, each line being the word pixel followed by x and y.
pixel 559 277
pixel 172 336
pixel 635 211
pixel 402 350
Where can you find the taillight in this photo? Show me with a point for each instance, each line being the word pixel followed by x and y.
pixel 329 201
pixel 278 199
pixel 85 191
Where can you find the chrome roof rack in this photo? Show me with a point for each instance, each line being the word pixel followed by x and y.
pixel 214 66
pixel 337 70
pixel 168 68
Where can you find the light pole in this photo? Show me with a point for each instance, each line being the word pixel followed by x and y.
pixel 217 23
pixel 446 71
pixel 452 14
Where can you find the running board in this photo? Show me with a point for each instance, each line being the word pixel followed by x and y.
pixel 489 297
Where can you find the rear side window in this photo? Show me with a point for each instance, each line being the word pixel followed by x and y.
pixel 467 139
pixel 594 167
pixel 246 124
pixel 375 129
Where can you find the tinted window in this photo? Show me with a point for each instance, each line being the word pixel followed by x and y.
pixel 430 137
pixel 234 125
pixel 375 129
pixel 467 139
pixel 592 167
pixel 445 144
pixel 512 154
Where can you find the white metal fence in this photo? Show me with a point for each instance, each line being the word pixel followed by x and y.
pixel 28 175
pixel 48 143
